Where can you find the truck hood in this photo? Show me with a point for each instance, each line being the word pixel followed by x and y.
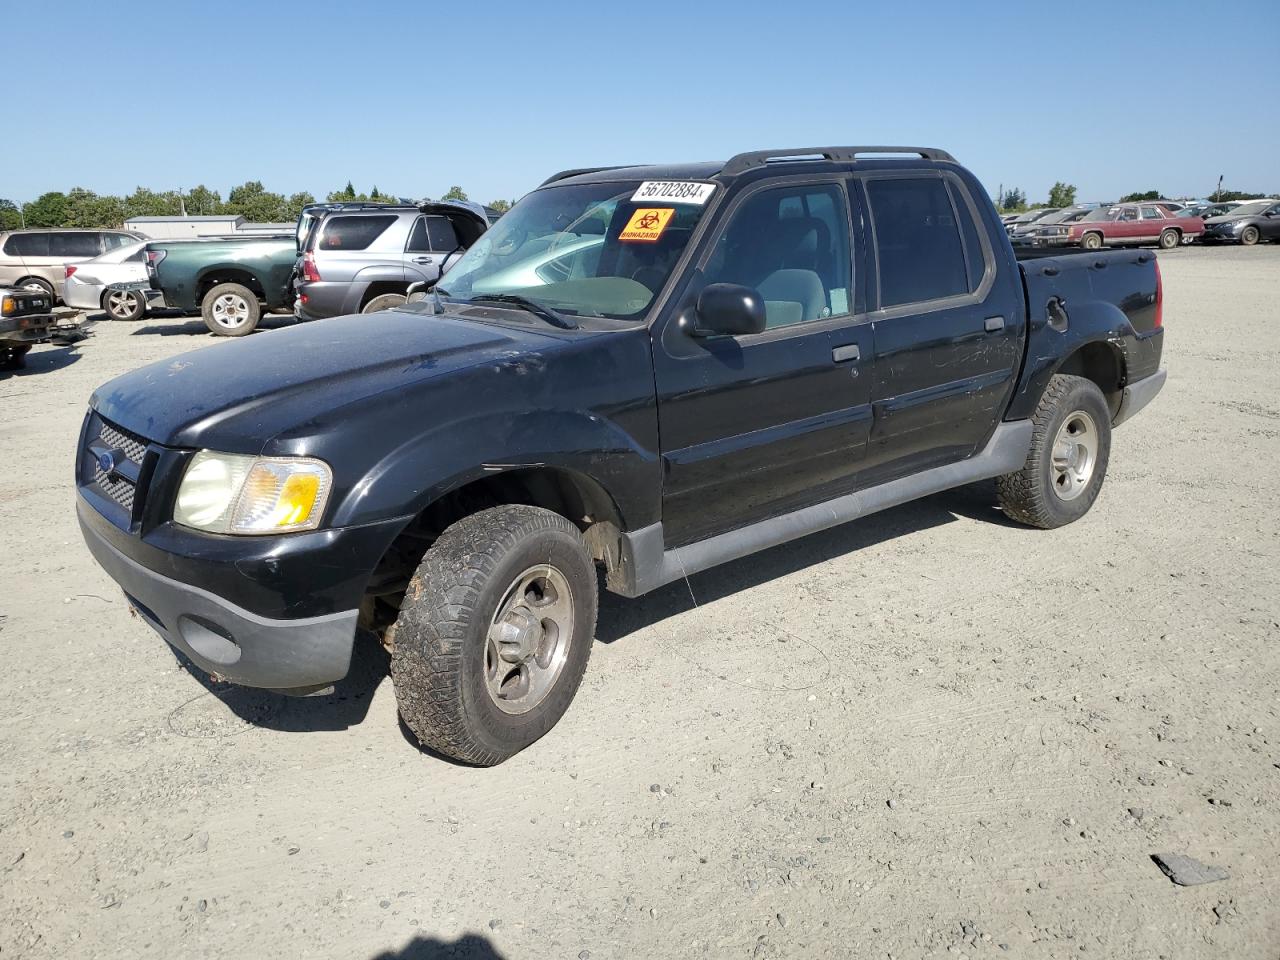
pixel 236 396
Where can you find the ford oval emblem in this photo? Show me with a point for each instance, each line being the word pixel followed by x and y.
pixel 107 461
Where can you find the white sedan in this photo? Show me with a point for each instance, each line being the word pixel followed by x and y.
pixel 91 284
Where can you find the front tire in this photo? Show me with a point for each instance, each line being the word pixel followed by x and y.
pixel 125 305
pixel 1091 241
pixel 494 633
pixel 1067 462
pixel 1170 239
pixel 230 310
pixel 1249 235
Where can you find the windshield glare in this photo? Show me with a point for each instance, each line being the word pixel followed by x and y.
pixel 585 250
pixel 1101 213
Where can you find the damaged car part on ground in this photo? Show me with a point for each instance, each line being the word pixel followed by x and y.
pixel 651 370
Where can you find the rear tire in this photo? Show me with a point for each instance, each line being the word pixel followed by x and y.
pixel 1169 239
pixel 230 310
pixel 1249 235
pixel 35 283
pixel 1091 241
pixel 494 633
pixel 1067 462
pixel 386 301
pixel 125 305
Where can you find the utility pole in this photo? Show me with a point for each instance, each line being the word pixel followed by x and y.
pixel 1217 194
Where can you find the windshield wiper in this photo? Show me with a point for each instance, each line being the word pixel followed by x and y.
pixel 533 306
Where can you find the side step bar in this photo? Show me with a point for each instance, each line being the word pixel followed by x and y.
pixel 645 564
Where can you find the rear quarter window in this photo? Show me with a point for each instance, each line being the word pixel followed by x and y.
pixel 353 233
pixel 27 245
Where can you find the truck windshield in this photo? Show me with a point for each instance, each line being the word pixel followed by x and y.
pixel 584 249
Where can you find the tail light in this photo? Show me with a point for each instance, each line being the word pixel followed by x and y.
pixel 154 257
pixel 70 271
pixel 1159 297
pixel 309 271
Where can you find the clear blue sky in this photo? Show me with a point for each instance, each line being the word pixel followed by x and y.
pixel 1111 95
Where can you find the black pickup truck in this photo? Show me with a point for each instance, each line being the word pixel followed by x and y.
pixel 645 370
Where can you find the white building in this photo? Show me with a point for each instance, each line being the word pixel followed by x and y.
pixel 185 228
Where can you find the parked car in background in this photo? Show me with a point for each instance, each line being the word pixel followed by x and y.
pixel 26 316
pixel 228 281
pixel 361 261
pixel 1128 223
pixel 36 258
pixel 113 282
pixel 1206 210
pixel 1031 216
pixel 1021 231
pixel 1248 223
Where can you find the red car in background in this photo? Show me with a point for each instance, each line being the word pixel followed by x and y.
pixel 1130 223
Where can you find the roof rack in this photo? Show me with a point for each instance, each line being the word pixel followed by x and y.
pixel 578 171
pixel 758 158
pixel 336 206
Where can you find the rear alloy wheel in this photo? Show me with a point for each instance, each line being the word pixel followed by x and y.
pixel 1249 235
pixel 230 310
pixel 1067 462
pixel 124 304
pixel 1170 239
pixel 1091 241
pixel 386 301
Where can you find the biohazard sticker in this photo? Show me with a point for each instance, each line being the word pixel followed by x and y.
pixel 646 225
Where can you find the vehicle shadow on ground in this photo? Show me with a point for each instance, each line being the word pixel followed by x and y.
pixel 470 946
pixel 45 359
pixel 345 707
pixel 182 325
pixel 620 617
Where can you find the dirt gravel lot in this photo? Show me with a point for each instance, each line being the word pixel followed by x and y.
pixel 929 733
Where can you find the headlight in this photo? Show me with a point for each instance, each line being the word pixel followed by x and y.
pixel 231 493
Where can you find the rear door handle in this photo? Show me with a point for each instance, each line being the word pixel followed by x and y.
pixel 423 260
pixel 993 324
pixel 841 354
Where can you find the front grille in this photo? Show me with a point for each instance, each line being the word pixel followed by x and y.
pixel 134 447
pixel 115 486
pixel 111 467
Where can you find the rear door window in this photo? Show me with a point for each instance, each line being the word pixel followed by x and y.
pixel 432 235
pixel 1151 213
pixel 353 233
pixel 918 244
pixel 74 244
pixel 110 241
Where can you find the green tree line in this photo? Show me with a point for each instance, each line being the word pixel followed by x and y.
pixel 79 207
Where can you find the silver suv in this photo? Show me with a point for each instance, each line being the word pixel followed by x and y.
pixel 37 259
pixel 361 259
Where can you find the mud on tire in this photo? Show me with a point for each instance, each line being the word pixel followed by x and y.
pixel 1033 495
pixel 442 663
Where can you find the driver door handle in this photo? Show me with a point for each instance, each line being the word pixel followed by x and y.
pixel 841 354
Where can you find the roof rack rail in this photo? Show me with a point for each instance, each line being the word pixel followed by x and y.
pixel 578 171
pixel 758 158
pixel 337 206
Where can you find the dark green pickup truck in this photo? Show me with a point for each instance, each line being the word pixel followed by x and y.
pixel 228 281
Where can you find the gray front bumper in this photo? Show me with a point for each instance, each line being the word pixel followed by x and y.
pixel 295 656
pixel 1137 395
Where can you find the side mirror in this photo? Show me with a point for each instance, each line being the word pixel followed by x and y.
pixel 728 310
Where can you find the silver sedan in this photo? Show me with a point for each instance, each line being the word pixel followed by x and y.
pixel 95 284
